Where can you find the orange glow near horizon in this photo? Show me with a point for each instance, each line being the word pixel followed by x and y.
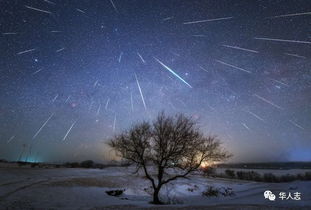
pixel 205 164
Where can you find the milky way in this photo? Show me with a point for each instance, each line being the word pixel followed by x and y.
pixel 74 73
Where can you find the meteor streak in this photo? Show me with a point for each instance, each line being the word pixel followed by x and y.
pixel 114 123
pixel 120 57
pixel 290 15
pixel 37 71
pixel 68 98
pixel 245 126
pixel 141 93
pixel 267 101
pixel 170 70
pixel 10 139
pixel 98 110
pixel 256 116
pixel 26 51
pixel 54 99
pixel 235 67
pixel 95 83
pixel 282 40
pixel 80 10
pixel 39 10
pixel 69 130
pixel 114 6
pixel 295 55
pixel 9 33
pixel 295 124
pixel 43 125
pixel 91 104
pixel 240 48
pixel 141 57
pixel 280 82
pixel 132 106
pixel 204 69
pixel 168 18
pixel 198 35
pixel 107 103
pixel 59 50
pixel 207 20
pixel 49 2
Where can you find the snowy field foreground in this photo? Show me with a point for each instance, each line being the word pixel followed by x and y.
pixel 31 188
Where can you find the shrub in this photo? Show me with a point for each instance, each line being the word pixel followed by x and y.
pixel 307 176
pixel 125 164
pixel 21 163
pixel 115 192
pixel 99 165
pixel 209 171
pixel 230 173
pixel 239 174
pixel 33 165
pixel 269 177
pixel 255 176
pixel 211 191
pixel 227 192
pixel 194 188
pixel 87 164
pixel 72 165
pixel 249 175
pixel 288 178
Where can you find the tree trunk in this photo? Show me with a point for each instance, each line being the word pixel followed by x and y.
pixel 156 199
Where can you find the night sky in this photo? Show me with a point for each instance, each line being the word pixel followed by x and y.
pixel 74 73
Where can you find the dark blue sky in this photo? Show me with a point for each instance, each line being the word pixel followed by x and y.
pixel 241 68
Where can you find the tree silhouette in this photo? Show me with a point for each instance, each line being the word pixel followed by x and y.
pixel 171 147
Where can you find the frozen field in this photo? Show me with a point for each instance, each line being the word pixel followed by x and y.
pixel 26 188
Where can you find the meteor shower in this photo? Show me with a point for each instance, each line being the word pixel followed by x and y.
pixel 147 104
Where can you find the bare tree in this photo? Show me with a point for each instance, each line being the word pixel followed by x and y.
pixel 167 149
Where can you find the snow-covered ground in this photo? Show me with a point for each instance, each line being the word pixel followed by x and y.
pixel 62 188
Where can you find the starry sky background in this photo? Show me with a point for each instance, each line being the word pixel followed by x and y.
pixel 68 67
